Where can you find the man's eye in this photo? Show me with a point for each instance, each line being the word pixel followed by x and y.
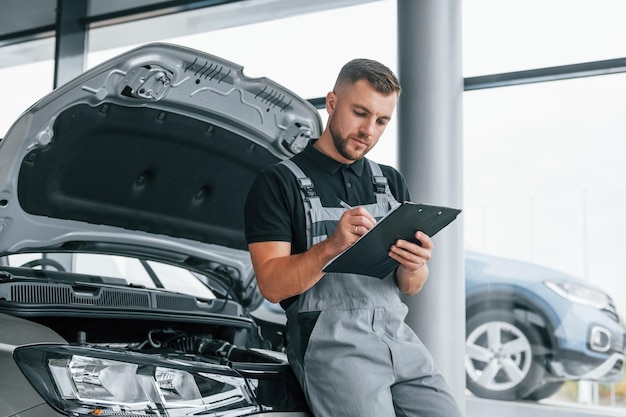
pixel 359 113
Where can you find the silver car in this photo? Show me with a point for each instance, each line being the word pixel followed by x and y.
pixel 125 281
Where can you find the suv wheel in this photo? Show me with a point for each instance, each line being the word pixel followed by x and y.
pixel 501 356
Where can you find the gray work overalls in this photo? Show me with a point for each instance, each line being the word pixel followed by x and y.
pixel 348 343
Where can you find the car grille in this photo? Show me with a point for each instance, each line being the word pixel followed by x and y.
pixel 65 294
pixel 15 294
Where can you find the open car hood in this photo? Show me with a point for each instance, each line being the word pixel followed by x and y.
pixel 150 153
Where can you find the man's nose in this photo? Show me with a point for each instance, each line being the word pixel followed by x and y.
pixel 366 128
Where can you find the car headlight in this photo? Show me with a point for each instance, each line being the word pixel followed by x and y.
pixel 81 382
pixel 580 294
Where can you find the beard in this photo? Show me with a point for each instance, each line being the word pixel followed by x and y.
pixel 341 143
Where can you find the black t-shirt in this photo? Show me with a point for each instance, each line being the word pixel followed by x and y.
pixel 274 210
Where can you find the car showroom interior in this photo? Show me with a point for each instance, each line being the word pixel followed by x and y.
pixel 131 132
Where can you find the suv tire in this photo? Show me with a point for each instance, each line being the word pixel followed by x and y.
pixel 502 359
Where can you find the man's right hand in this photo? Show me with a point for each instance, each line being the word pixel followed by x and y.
pixel 353 224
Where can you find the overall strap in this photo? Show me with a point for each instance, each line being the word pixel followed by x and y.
pixel 311 200
pixel 381 186
pixel 307 191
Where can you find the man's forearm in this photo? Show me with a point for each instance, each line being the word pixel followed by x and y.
pixel 281 275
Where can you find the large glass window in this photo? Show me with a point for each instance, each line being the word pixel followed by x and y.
pixel 543 164
pixel 27 72
pixel 543 173
pixel 513 35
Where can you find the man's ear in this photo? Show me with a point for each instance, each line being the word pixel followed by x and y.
pixel 331 101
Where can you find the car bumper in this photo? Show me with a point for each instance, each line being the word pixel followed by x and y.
pixel 574 367
pixel 612 366
pixel 589 344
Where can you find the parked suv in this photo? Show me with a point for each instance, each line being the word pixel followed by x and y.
pixel 530 328
pixel 125 281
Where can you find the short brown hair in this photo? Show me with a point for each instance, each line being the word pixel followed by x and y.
pixel 378 75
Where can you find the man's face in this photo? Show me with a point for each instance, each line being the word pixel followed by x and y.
pixel 358 115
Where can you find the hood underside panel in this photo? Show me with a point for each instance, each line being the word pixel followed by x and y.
pixel 143 169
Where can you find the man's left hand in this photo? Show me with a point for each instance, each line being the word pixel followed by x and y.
pixel 412 272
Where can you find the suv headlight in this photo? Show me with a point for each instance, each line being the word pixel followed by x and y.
pixel 81 382
pixel 580 294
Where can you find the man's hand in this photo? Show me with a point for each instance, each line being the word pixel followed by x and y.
pixel 352 225
pixel 412 272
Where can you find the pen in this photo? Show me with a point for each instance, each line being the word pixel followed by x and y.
pixel 344 204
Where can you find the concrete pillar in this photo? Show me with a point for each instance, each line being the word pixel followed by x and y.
pixel 430 157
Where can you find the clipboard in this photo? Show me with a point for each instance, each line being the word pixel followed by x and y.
pixel 369 255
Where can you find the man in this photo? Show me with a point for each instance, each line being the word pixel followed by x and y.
pixel 347 340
